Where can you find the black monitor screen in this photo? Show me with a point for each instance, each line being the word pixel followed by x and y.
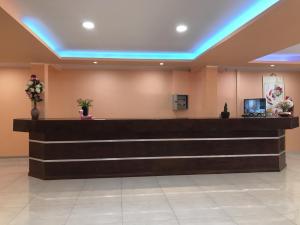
pixel 255 106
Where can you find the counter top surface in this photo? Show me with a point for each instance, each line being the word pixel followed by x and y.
pixel 155 125
pixel 139 119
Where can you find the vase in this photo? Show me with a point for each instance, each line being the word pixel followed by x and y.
pixel 225 115
pixel 291 110
pixel 285 114
pixel 35 113
pixel 85 110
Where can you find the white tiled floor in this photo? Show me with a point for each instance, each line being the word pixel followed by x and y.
pixel 226 199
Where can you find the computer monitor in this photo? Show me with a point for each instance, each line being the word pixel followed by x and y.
pixel 255 107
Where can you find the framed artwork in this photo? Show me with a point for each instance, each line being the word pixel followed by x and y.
pixel 273 91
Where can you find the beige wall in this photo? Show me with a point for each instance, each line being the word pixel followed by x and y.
pixel 132 94
pixel 292 88
pixel 14 104
pixel 227 92
pixel 117 94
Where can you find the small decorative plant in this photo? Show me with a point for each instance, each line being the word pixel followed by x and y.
pixel 85 104
pixel 34 89
pixel 225 107
pixel 286 105
pixel 225 114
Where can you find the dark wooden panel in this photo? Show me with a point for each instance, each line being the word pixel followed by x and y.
pixel 22 125
pixel 118 133
pixel 37 135
pixel 37 150
pixel 157 167
pixel 37 169
pixel 150 149
pixel 282 161
pixel 64 130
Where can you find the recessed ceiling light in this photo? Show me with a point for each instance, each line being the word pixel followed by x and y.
pixel 88 25
pixel 162 64
pixel 95 62
pixel 272 65
pixel 181 28
pixel 212 39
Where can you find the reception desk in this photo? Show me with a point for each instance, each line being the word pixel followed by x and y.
pixel 69 148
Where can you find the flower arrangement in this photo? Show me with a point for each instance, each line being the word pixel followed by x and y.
pixel 286 105
pixel 34 89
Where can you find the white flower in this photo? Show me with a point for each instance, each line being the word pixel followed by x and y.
pixel 289 103
pixel 285 105
pixel 38 90
pixel 31 90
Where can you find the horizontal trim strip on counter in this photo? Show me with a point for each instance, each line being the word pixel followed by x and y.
pixel 159 157
pixel 157 140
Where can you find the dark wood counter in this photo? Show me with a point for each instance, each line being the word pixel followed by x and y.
pixel 64 148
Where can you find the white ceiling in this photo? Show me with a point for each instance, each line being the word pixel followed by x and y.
pixel 287 55
pixel 132 25
pixel 291 50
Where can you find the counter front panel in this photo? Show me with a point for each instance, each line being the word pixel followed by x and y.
pixel 61 149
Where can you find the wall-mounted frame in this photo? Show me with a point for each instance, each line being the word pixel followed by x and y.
pixel 273 91
pixel 180 102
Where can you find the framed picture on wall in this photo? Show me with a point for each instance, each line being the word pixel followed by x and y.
pixel 273 91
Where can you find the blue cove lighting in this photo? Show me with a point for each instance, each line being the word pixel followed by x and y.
pixel 41 31
pixel 91 54
pixel 284 58
pixel 259 7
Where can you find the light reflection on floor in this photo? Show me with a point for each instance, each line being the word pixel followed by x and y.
pixel 223 199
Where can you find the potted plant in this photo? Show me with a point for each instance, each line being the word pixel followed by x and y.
pixel 85 104
pixel 34 90
pixel 225 114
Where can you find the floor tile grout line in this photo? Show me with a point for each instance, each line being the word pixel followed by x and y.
pixel 122 208
pixel 12 182
pixel 265 205
pixel 211 198
pixel 270 183
pixel 168 201
pixel 268 207
pixel 75 203
pixel 27 204
pixel 289 173
pixel 23 208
